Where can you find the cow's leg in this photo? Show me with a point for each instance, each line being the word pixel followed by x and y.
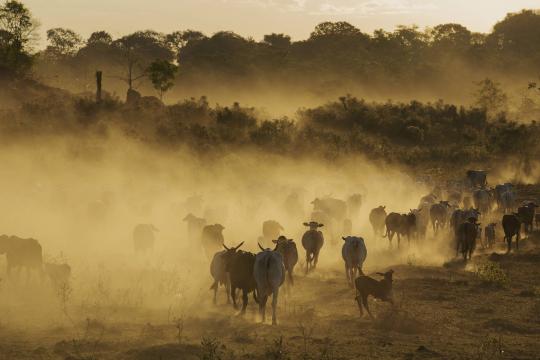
pixel 398 240
pixel 359 302
pixel 347 275
pixel 307 262
pixel 274 305
pixel 262 307
pixel 233 295
pixel 228 289
pixel 215 287
pixel 244 301
pixel 366 305
pixel 517 241
pixel 315 260
pixel 291 279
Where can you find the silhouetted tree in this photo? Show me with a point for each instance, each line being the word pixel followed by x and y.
pixel 16 32
pixel 278 40
pixel 161 74
pixel 491 97
pixel 63 42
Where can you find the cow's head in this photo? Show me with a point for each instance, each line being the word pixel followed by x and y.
pixel 230 253
pixel 313 225
pixel 189 217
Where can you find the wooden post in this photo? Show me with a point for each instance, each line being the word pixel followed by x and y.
pixel 99 75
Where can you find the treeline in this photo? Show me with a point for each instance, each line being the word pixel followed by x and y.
pixel 337 56
pixel 406 133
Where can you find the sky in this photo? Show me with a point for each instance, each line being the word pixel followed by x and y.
pixel 255 18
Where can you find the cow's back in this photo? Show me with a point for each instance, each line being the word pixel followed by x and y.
pixel 312 240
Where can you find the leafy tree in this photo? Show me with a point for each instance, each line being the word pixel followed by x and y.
pixel 17 29
pixel 136 51
pixel 491 97
pixel 278 40
pixel 99 37
pixel 162 73
pixel 179 39
pixel 63 42
pixel 340 28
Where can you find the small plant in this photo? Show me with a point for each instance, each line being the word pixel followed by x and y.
pixel 327 350
pixel 63 293
pixel 491 348
pixel 411 259
pixel 277 350
pixel 211 349
pixel 306 326
pixel 491 273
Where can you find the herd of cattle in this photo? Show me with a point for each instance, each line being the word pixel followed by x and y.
pixel 454 214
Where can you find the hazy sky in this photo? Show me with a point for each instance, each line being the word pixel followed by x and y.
pixel 258 17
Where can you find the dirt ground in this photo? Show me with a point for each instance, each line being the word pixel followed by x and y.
pixel 441 312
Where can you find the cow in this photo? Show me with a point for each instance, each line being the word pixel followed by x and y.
pixel 526 213
pixel 312 241
pixel 21 253
pixel 454 197
pixel 58 274
pixel 507 202
pixel 354 203
pixel 240 265
pixel 500 190
pixel 428 199
pixel 195 226
pixel 477 178
pixel 482 200
pixel 511 224
pixel 400 224
pixel 439 215
pixel 489 235
pixel 293 206
pixel 212 239
pixel 335 208
pixel 271 229
pixel 269 274
pixel 219 272
pixel 354 254
pixel 287 249
pixel 422 220
pixel 143 237
pixel 467 235
pixel 537 220
pixel 366 286
pixel 377 218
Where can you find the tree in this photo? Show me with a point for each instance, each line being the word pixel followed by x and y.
pixel 490 97
pixel 278 40
pixel 99 37
pixel 17 29
pixel 138 50
pixel 340 28
pixel 162 73
pixel 63 42
pixel 179 39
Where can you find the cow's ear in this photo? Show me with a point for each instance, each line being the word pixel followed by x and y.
pixel 320 225
pixel 344 238
pixel 274 241
pixel 306 224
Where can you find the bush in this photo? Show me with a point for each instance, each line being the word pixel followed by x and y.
pixel 491 273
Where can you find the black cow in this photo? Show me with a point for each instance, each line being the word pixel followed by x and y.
pixel 526 214
pixel 240 265
pixel 377 218
pixel 511 224
pixel 477 178
pixel 21 253
pixel 312 241
pixel 467 234
pixel 287 248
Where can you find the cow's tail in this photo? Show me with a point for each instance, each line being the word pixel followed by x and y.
pixel 214 285
pixel 386 233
